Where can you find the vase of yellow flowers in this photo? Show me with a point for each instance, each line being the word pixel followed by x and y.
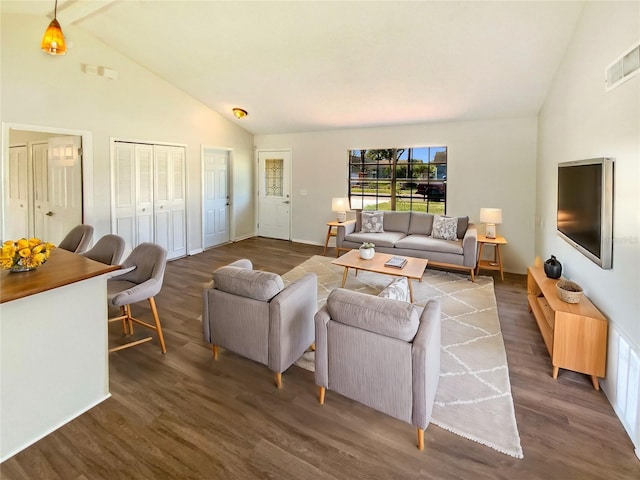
pixel 24 255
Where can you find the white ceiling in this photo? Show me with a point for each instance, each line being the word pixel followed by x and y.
pixel 318 65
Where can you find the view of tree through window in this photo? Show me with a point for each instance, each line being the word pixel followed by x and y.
pixel 399 179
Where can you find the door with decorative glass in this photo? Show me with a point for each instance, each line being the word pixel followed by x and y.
pixel 274 195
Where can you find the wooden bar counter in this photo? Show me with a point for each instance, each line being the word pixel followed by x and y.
pixel 53 347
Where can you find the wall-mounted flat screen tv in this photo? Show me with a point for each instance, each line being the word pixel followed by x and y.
pixel 585 208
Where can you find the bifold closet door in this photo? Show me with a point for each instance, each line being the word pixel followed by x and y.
pixel 149 195
pixel 169 199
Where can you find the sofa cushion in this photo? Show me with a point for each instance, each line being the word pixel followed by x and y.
pixel 372 222
pixel 426 243
pixel 384 239
pixel 445 228
pixel 397 221
pixel 378 315
pixel 463 224
pixel 398 290
pixel 248 283
pixel 421 223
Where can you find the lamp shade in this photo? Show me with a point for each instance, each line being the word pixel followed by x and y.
pixel 340 204
pixel 491 215
pixel 53 39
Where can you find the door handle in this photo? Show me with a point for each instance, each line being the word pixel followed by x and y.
pixel 286 201
pixel 49 214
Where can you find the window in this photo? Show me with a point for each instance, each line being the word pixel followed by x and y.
pixel 405 179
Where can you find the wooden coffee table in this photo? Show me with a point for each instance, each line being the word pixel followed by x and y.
pixel 413 269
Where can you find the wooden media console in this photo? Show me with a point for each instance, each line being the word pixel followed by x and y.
pixel 575 333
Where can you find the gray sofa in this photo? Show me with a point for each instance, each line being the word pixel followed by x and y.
pixel 409 234
pixel 381 352
pixel 252 313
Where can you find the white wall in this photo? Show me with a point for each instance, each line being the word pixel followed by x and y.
pixel 580 120
pixel 43 90
pixel 490 164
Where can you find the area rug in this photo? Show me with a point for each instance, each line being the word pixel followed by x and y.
pixel 473 399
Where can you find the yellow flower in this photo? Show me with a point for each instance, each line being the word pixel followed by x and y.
pixel 22 243
pixel 8 250
pixel 25 252
pixel 6 263
pixel 9 242
pixel 37 248
pixel 34 241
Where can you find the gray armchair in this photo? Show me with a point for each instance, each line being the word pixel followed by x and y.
pixel 381 352
pixel 142 277
pixel 78 239
pixel 253 314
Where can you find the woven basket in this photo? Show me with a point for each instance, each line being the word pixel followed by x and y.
pixel 568 291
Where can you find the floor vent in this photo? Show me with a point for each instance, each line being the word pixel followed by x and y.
pixel 623 68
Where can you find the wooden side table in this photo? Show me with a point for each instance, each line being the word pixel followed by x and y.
pixel 496 264
pixel 332 231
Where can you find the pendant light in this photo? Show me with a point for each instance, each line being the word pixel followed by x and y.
pixel 53 39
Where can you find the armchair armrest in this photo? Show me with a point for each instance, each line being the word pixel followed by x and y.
pixel 291 322
pixel 322 354
pixel 470 246
pixel 344 230
pixel 425 356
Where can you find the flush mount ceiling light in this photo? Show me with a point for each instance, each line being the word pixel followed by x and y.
pixel 53 39
pixel 239 113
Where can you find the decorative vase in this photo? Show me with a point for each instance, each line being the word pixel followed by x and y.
pixel 20 268
pixel 367 253
pixel 553 268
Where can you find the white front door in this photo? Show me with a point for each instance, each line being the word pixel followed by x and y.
pixel 65 186
pixel 18 199
pixel 274 196
pixel 215 197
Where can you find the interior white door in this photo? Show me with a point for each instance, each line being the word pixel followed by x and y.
pixel 274 198
pixel 64 186
pixel 17 225
pixel 215 195
pixel 40 169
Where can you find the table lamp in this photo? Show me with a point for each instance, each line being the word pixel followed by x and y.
pixel 491 216
pixel 340 205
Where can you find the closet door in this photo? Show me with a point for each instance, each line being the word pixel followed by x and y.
pixel 169 199
pixel 149 196
pixel 18 221
pixel 144 194
pixel 124 193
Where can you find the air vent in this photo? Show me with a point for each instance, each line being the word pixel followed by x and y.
pixel 624 68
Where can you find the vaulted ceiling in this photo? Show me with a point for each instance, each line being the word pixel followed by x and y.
pixel 319 65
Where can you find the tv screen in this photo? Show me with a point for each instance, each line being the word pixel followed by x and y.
pixel 585 207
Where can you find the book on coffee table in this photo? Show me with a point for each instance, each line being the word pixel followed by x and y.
pixel 396 262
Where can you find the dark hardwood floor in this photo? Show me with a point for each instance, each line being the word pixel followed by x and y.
pixel 182 415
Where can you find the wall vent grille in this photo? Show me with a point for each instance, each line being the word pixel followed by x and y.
pixel 623 68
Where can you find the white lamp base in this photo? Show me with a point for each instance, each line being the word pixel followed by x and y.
pixel 341 216
pixel 491 230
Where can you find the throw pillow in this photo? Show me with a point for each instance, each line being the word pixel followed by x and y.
pixel 372 222
pixel 445 228
pixel 398 290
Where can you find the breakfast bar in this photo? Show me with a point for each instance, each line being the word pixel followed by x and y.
pixel 53 347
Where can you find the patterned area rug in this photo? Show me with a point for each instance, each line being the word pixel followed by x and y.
pixel 474 393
